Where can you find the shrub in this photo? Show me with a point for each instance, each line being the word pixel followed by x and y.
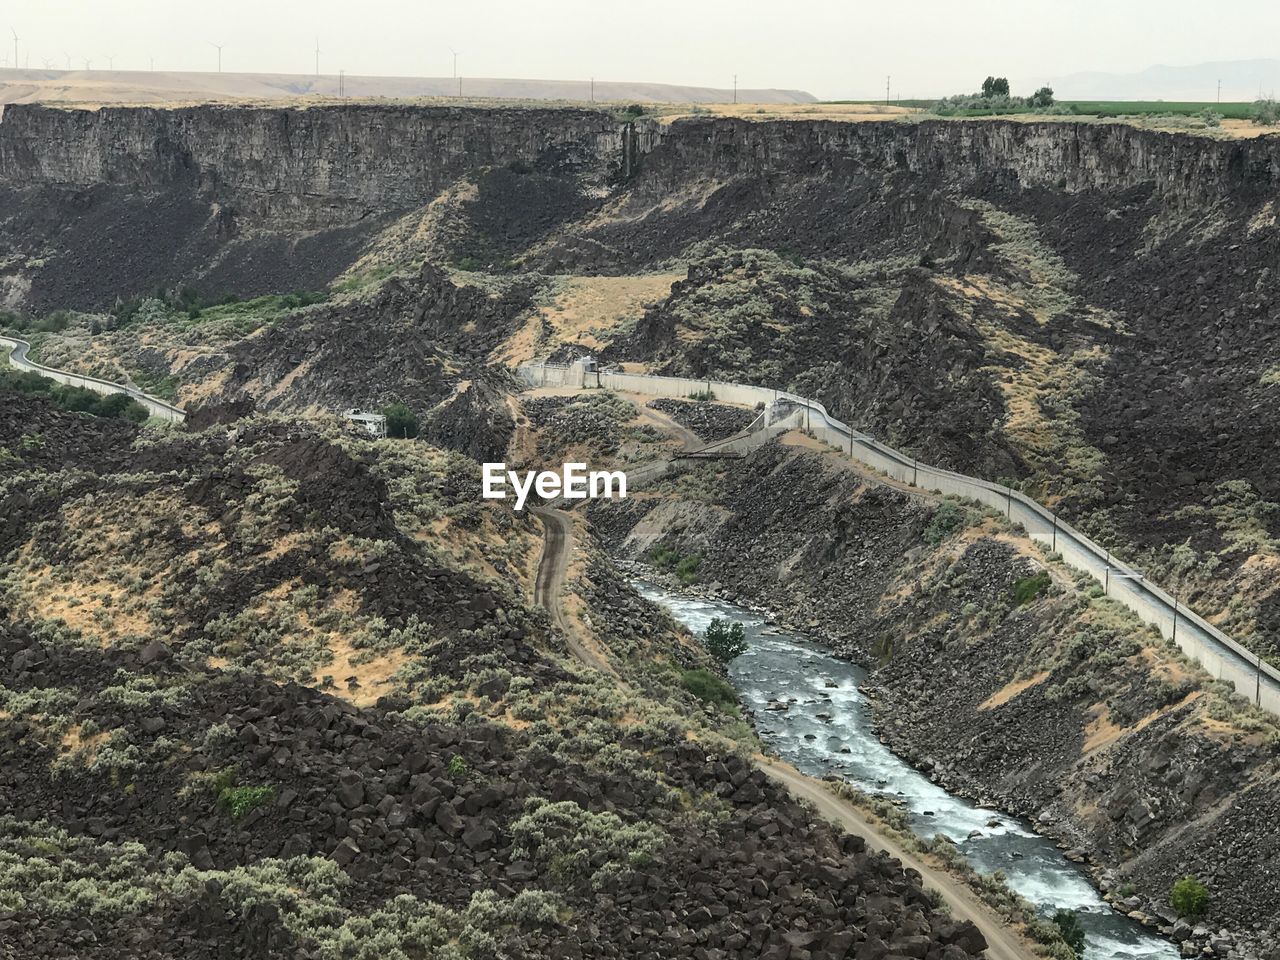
pixel 687 568
pixel 74 399
pixel 703 396
pixel 1211 117
pixel 1189 897
pixel 1041 98
pixel 402 423
pixel 1071 929
pixel 709 688
pixel 578 845
pixel 240 800
pixel 684 567
pixel 948 518
pixel 1028 588
pixel 1266 113
pixel 457 768
pixel 725 639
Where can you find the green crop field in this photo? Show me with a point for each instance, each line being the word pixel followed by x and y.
pixel 1132 108
pixel 1098 108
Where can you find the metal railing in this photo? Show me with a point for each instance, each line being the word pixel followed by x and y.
pixel 1220 655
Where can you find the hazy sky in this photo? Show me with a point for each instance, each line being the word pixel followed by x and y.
pixel 832 48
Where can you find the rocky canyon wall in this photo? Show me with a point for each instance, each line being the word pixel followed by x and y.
pixel 304 167
pixel 1058 155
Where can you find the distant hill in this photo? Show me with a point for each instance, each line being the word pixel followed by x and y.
pixel 140 86
pixel 1242 80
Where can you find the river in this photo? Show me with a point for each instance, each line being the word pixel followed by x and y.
pixel 827 730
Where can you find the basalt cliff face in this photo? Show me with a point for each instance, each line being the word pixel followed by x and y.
pixel 294 168
pixel 241 197
pixel 118 202
pixel 1064 156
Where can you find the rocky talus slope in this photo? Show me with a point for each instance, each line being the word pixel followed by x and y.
pixel 1060 707
pixel 273 690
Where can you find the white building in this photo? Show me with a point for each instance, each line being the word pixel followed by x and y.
pixel 374 424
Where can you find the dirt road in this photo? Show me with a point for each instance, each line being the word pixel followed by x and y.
pixel 1002 943
pixel 548 586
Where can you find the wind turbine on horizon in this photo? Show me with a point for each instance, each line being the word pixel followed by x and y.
pixel 317 56
pixel 218 47
pixel 15 47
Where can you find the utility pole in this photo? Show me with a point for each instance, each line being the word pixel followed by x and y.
pixel 1219 91
pixel 593 89
pixel 886 89
pixel 735 88
pixel 317 58
pixel 342 83
pixel 459 86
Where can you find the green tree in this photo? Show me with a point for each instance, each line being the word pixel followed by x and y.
pixel 1190 897
pixel 1042 98
pixel 1072 931
pixel 402 423
pixel 993 87
pixel 725 639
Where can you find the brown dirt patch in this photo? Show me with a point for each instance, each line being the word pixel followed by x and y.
pixel 1012 689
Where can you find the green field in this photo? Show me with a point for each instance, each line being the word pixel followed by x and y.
pixel 1134 108
pixel 1100 108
